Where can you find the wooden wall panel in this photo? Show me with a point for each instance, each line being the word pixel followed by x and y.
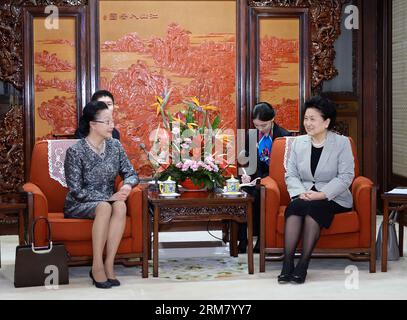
pixel 55 64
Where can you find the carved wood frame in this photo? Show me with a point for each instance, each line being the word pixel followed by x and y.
pixel 79 13
pixel 11 24
pixel 324 21
pixel 325 18
pixel 256 14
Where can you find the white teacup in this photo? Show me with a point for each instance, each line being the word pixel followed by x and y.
pixel 168 186
pixel 232 185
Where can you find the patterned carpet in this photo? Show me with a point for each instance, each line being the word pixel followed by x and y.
pixel 202 268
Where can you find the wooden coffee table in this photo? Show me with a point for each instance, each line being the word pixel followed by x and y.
pixel 202 207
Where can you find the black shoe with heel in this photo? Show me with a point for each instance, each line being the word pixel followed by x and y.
pixel 101 285
pixel 286 273
pixel 299 274
pixel 114 282
pixel 242 247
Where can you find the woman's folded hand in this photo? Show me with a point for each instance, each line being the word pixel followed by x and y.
pixel 312 195
pixel 122 194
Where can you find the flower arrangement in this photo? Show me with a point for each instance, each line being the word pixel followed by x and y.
pixel 186 148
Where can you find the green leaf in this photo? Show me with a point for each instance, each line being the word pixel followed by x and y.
pixel 190 114
pixel 202 129
pixel 216 122
pixel 170 117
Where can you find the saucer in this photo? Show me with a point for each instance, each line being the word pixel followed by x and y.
pixel 233 194
pixel 169 195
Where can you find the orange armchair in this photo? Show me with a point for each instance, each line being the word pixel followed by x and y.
pixel 49 196
pixel 352 234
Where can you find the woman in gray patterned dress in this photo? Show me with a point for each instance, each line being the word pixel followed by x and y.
pixel 91 166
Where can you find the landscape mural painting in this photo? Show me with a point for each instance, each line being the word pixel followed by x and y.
pixel 279 69
pixel 54 79
pixel 147 47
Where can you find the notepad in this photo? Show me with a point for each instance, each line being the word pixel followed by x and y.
pixel 398 191
pixel 250 184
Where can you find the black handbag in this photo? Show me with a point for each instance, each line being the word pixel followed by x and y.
pixel 39 266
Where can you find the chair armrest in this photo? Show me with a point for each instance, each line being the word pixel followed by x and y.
pixel 40 208
pixel 134 202
pixel 39 199
pixel 272 196
pixel 362 189
pixel 135 211
pixel 272 206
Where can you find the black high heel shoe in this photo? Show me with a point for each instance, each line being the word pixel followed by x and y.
pixel 242 247
pixel 114 282
pixel 101 285
pixel 284 278
pixel 286 273
pixel 299 275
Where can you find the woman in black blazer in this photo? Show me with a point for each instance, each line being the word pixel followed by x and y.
pixel 263 115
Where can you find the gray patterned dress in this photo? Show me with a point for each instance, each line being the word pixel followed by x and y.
pixel 90 177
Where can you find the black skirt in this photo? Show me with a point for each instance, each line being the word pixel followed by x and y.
pixel 322 211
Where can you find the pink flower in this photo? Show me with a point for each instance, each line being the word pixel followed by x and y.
pixel 185 146
pixel 209 159
pixel 208 168
pixel 176 130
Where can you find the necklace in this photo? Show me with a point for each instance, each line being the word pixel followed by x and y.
pixel 99 150
pixel 318 145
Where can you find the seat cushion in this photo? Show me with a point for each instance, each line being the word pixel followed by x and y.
pixel 346 222
pixel 76 229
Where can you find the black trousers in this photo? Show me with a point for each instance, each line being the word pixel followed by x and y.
pixel 255 193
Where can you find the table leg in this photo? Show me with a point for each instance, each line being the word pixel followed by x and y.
pixel 21 227
pixel 385 235
pixel 233 238
pixel 401 233
pixel 250 238
pixel 155 244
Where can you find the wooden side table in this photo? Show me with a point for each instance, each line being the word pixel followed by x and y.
pixel 392 202
pixel 202 206
pixel 20 205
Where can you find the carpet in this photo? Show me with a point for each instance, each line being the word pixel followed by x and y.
pixel 202 268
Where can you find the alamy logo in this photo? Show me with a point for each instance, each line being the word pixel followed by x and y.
pixel 352 20
pixel 52 20
pixel 52 280
pixel 352 280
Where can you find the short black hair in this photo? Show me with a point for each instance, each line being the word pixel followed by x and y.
pixel 263 111
pixel 326 108
pixel 102 93
pixel 89 114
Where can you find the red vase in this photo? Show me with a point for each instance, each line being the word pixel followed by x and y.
pixel 187 184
